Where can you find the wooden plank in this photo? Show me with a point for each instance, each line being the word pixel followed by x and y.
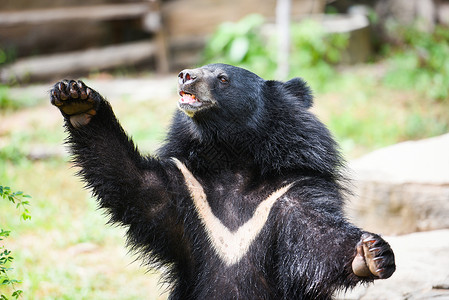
pixel 52 66
pixel 79 13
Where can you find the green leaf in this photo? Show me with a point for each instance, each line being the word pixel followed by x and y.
pixel 5 282
pixel 4 233
pixel 4 270
pixel 17 294
pixel 239 49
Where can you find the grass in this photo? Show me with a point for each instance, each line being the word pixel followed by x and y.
pixel 365 115
pixel 67 252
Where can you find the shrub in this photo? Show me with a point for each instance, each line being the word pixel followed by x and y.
pixel 251 44
pixel 421 62
pixel 6 258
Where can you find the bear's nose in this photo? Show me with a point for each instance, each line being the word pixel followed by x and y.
pixel 186 76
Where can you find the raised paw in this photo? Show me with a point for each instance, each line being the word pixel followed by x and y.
pixel 75 100
pixel 374 257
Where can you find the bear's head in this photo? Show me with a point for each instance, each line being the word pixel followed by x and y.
pixel 228 90
pixel 218 89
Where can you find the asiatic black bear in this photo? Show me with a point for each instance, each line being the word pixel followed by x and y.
pixel 243 201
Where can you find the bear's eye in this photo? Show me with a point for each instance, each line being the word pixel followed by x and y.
pixel 223 78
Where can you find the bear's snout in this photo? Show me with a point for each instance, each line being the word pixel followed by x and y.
pixel 188 76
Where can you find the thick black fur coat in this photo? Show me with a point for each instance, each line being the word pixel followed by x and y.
pixel 243 201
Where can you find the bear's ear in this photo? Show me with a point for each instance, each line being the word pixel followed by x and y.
pixel 300 90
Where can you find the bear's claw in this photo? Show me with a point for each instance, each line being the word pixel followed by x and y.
pixel 374 258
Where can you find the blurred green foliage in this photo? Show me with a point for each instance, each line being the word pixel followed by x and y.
pixel 249 44
pixel 421 62
pixel 7 56
pixel 5 100
pixel 243 44
pixel 315 53
pixel 2 56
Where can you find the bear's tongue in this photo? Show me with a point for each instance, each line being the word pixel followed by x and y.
pixel 189 99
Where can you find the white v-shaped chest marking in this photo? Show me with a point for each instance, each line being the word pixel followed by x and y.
pixel 230 246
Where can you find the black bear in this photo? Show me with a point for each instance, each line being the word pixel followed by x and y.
pixel 244 199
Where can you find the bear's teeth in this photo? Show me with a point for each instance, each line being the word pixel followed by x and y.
pixel 188 98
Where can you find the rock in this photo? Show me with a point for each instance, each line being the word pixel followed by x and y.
pixel 403 188
pixel 443 13
pixel 422 270
pixel 425 161
pixel 406 13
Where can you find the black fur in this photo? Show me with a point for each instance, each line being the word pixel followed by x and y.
pixel 257 137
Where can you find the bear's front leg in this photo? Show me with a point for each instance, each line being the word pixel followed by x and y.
pixel 76 101
pixel 137 191
pixel 374 258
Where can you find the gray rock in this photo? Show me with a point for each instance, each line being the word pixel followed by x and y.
pixel 406 13
pixel 403 188
pixel 422 272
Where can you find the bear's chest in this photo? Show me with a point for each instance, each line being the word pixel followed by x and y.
pixel 232 203
pixel 233 219
pixel 232 213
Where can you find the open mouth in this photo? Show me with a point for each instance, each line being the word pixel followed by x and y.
pixel 190 104
pixel 189 99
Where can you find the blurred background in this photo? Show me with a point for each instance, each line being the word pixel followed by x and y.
pixel 379 71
